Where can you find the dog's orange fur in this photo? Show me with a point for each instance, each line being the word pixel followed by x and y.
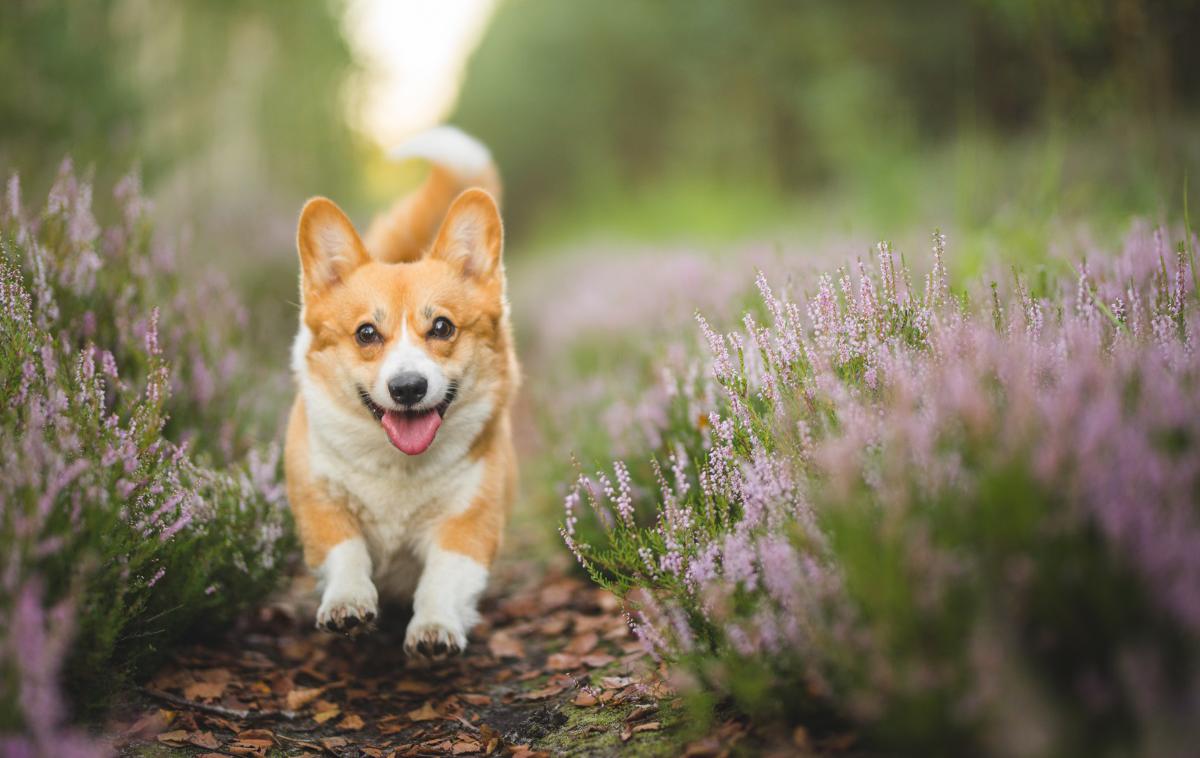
pixel 405 231
pixel 403 273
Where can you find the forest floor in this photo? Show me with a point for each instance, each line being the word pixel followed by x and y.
pixel 552 670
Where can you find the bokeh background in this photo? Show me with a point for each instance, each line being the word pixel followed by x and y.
pixel 992 118
pixel 653 154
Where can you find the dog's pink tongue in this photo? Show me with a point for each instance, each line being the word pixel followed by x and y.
pixel 412 433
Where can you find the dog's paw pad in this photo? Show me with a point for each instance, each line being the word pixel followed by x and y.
pixel 348 613
pixel 433 641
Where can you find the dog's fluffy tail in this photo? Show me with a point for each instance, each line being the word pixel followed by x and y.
pixel 459 162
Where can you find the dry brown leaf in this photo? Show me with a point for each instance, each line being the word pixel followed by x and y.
pixel 584 699
pixel 615 682
pixel 149 725
pixel 582 644
pixel 475 699
pixel 204 740
pixel 640 712
pixel 215 675
pixel 177 737
pixel 649 726
pixel 414 686
pixel 322 716
pixel 503 645
pixel 543 693
pixel 562 662
pixel 204 690
pixel 465 745
pixel 352 723
pixel 302 696
pixel 257 748
pixel 425 713
pixel 596 660
pixel 332 743
pixel 554 626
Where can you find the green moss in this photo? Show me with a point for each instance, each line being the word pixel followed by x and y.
pixel 596 730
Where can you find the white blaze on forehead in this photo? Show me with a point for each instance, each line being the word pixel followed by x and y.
pixel 407 355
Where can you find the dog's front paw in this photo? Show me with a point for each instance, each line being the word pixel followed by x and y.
pixel 434 639
pixel 348 606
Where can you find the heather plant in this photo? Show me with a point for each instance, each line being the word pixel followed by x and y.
pixel 965 520
pixel 133 508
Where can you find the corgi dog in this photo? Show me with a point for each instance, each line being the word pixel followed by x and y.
pixel 399 459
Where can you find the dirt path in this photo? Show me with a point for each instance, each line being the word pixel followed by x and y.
pixel 553 669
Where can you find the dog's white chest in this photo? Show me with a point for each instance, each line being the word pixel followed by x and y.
pixel 399 502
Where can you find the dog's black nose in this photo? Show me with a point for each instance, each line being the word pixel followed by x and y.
pixel 407 388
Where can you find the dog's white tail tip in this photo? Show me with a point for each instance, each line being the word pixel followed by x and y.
pixel 448 147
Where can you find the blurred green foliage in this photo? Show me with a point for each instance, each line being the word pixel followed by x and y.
pixel 642 101
pixel 215 95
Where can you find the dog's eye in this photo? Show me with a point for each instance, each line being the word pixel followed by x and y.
pixel 442 329
pixel 367 334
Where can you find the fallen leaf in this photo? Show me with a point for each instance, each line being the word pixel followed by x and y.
pixel 463 746
pixel 555 626
pixel 596 660
pixel 332 743
pixel 543 693
pixel 615 682
pixel 256 734
pixel 257 748
pixel 302 696
pixel 177 737
pixel 149 725
pixel 414 686
pixel 475 699
pixel 322 716
pixel 649 726
pixel 204 690
pixel 584 699
pixel 204 740
pixel 583 644
pixel 503 645
pixel 425 713
pixel 352 723
pixel 640 712
pixel 562 662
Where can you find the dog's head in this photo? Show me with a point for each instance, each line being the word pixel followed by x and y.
pixel 403 342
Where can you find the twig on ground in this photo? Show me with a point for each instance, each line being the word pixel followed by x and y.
pixel 220 710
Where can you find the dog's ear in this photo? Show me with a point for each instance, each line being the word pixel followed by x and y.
pixel 329 247
pixel 472 236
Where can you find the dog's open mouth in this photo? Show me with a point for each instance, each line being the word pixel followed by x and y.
pixel 412 432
